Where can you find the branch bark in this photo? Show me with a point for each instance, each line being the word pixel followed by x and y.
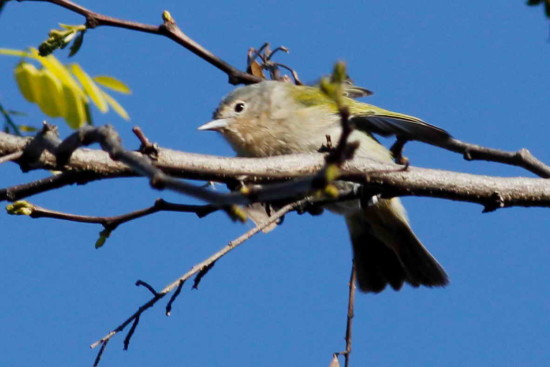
pixel 387 179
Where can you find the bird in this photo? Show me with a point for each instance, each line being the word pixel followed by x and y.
pixel 273 118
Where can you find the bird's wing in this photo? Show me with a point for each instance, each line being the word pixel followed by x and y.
pixel 373 119
pixel 402 126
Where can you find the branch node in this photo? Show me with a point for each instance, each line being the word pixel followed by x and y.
pixel 47 139
pixel 149 149
pixel 201 274
pixel 92 20
pixel 157 180
pixel 173 298
pixel 148 286
pixel 497 202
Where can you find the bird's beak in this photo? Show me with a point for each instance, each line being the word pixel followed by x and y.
pixel 214 125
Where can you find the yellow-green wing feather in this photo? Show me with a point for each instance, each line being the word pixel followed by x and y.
pixel 372 119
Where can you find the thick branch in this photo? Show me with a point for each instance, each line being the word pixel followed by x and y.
pixel 491 192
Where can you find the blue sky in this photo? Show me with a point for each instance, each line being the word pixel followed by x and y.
pixel 478 69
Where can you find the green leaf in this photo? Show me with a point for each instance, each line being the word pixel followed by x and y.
pixel 77 43
pixel 116 106
pixel 60 38
pixel 16 113
pixel 28 129
pixel 90 87
pixel 103 235
pixel 112 83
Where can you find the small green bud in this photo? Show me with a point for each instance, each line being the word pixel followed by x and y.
pixel 332 172
pixel 60 38
pixel 56 33
pixel 332 191
pixel 20 207
pixel 237 213
pixel 333 87
pixel 103 235
pixel 339 74
pixel 167 17
pixel 244 190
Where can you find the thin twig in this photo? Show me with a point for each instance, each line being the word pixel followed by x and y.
pixel 10 121
pixel 521 158
pixel 149 149
pixel 100 353
pixel 11 157
pixel 349 319
pixel 149 287
pixel 111 223
pixel 343 150
pixel 201 274
pixel 168 29
pixel 114 221
pixel 195 269
pixel 131 333
pixel 175 295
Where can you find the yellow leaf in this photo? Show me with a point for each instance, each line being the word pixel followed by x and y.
pixel 75 112
pixel 52 101
pixel 51 63
pixel 90 87
pixel 27 77
pixel 10 52
pixel 112 83
pixel 116 106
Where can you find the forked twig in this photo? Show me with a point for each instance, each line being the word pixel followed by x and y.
pixel 194 270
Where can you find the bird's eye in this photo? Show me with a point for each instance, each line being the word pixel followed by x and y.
pixel 239 107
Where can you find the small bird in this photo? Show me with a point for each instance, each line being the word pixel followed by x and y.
pixel 273 118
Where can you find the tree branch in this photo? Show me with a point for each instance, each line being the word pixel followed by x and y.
pixel 168 29
pixel 389 179
pixel 350 314
pixel 522 158
pixel 109 223
pixel 194 270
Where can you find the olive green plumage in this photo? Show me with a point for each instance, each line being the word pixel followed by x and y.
pixel 274 118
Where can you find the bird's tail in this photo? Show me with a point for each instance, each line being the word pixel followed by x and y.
pixel 386 251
